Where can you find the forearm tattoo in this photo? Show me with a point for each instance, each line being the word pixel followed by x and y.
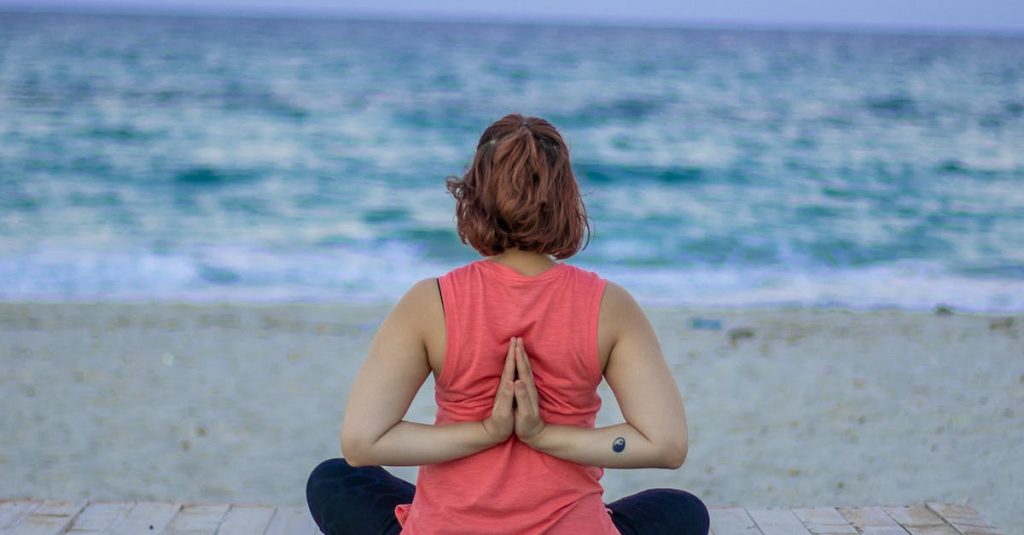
pixel 618 445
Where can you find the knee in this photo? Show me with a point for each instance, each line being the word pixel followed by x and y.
pixel 331 469
pixel 691 510
pixel 697 512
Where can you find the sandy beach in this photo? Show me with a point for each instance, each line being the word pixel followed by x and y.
pixel 795 407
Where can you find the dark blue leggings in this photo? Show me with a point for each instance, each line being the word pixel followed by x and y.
pixel 361 501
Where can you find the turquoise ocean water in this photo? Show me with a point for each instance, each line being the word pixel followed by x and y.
pixel 188 158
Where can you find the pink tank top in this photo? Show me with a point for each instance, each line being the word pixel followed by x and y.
pixel 511 488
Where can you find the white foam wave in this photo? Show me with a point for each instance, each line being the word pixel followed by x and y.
pixel 381 274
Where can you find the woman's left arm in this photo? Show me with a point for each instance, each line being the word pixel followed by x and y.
pixel 373 431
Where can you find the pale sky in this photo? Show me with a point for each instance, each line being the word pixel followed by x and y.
pixel 1001 15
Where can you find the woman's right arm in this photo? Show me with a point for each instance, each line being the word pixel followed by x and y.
pixel 375 432
pixel 654 434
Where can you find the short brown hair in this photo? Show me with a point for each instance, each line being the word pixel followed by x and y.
pixel 520 192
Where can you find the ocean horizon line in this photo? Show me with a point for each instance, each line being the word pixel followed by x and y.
pixel 362 16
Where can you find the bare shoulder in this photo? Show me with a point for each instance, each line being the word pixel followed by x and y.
pixel 618 305
pixel 421 300
pixel 420 313
pixel 620 315
pixel 424 292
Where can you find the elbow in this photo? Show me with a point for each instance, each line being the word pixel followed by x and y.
pixel 354 450
pixel 674 453
pixel 676 457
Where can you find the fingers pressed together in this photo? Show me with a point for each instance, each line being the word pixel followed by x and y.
pixel 526 389
pixel 516 405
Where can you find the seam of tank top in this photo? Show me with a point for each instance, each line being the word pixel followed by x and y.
pixel 450 318
pixel 593 347
pixel 504 272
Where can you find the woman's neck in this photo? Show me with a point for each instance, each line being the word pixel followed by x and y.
pixel 528 263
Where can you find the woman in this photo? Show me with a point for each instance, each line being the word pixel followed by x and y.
pixel 517 344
